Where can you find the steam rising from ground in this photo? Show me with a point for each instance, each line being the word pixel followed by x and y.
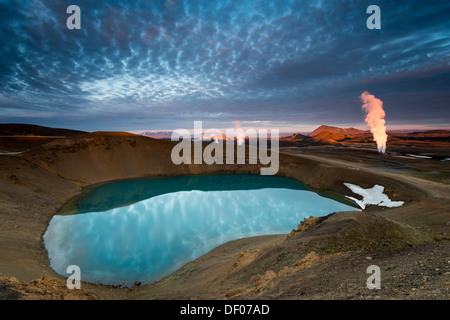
pixel 240 136
pixel 375 119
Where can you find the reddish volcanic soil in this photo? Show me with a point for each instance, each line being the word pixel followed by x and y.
pixel 435 143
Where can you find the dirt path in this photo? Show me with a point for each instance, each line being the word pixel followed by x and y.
pixel 430 188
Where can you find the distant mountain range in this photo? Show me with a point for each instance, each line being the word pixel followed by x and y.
pixel 339 136
pixel 322 135
pixel 156 134
pixel 18 129
pixel 16 137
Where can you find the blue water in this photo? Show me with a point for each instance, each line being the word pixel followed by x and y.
pixel 179 220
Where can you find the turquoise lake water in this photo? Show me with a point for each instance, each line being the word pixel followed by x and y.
pixel 143 230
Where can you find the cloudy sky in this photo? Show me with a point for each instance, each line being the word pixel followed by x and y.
pixel 137 65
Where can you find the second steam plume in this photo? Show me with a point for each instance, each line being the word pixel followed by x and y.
pixel 375 119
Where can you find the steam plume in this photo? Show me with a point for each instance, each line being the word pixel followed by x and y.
pixel 375 119
pixel 240 136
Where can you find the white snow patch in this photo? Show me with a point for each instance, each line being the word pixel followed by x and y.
pixel 417 156
pixel 446 159
pixel 9 153
pixel 374 196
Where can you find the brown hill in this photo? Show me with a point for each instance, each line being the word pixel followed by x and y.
pixel 15 137
pixel 299 140
pixel 326 135
pixel 105 156
pixel 100 156
pixel 320 136
pixel 298 136
pixel 18 129
pixel 337 130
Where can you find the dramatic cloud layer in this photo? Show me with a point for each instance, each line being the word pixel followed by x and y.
pixel 163 64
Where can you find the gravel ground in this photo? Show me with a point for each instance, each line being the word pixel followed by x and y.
pixel 418 272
